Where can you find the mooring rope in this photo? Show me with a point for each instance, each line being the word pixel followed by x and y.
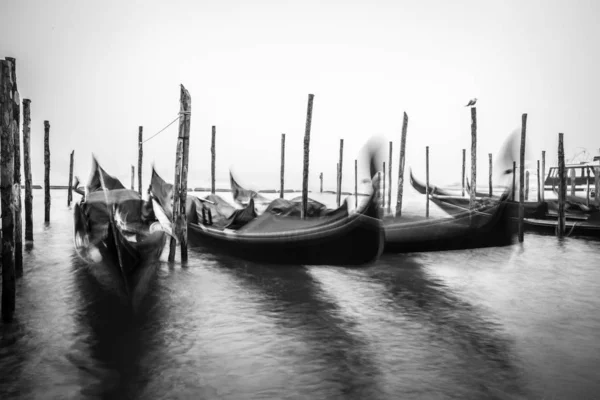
pixel 170 123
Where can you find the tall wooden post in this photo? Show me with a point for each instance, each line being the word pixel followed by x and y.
pixel 427 181
pixel 140 157
pixel 321 178
pixel 70 192
pixel 539 178
pixel 522 176
pixel 473 157
pixel 383 190
pixel 46 171
pixel 181 174
pixel 562 187
pixel 337 181
pixel 514 187
pixel 401 167
pixel 304 210
pixel 282 173
pixel 587 190
pixel 490 175
pixel 543 197
pixel 572 173
pixel 390 180
pixel 341 168
pixel 597 186
pixel 132 177
pixel 356 183
pixel 526 185
pixel 7 126
pixel 213 155
pixel 464 162
pixel 16 117
pixel 27 169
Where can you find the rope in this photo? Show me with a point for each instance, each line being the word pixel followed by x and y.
pixel 170 123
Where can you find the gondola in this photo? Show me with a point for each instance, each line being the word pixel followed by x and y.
pixel 116 229
pixel 279 235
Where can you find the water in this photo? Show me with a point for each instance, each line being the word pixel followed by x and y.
pixel 519 322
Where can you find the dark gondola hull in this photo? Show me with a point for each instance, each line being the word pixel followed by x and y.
pixel 356 240
pixel 486 228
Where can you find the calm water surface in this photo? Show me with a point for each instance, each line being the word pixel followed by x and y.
pixel 520 322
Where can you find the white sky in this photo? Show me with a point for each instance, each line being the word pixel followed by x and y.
pixel 99 69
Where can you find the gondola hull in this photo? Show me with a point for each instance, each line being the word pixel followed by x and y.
pixel 484 228
pixel 353 240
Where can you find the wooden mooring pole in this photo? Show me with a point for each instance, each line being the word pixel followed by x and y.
pixel 341 168
pixel 473 157
pixel 355 183
pixel 514 183
pixel 282 172
pixel 427 181
pixel 587 190
pixel 522 176
pixel 572 173
pixel 390 180
pixel 321 178
pixel 27 169
pixel 597 186
pixel 70 192
pixel 464 161
pixel 539 194
pixel 562 188
pixel 213 156
pixel 543 183
pixel 401 167
pixel 140 157
pixel 490 175
pixel 46 171
pixel 304 210
pixel 383 189
pixel 7 126
pixel 16 131
pixel 181 174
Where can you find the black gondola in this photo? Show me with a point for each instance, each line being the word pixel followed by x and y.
pixel 280 236
pixel 114 227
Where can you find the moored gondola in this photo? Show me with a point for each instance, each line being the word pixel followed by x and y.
pixel 114 228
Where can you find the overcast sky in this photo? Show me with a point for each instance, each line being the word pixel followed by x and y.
pixel 99 69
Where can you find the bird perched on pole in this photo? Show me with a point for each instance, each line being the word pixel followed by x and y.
pixel 472 102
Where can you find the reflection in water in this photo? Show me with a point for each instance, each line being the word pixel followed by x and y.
pixel 301 310
pixel 113 334
pixel 478 357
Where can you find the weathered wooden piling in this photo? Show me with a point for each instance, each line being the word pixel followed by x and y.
pixel 132 177
pixel 213 156
pixel 572 173
pixel 597 186
pixel 562 187
pixel 304 209
pixel 514 183
pixel 464 161
pixel 473 157
pixel 401 167
pixel 282 173
pixel 337 181
pixel 140 157
pixel 383 189
pixel 70 192
pixel 543 183
pixel 390 179
pixel 46 171
pixel 522 176
pixel 321 178
pixel 526 185
pixel 181 174
pixel 427 181
pixel 27 169
pixel 16 116
pixel 539 194
pixel 7 126
pixel 356 182
pixel 490 175
pixel 341 168
pixel 587 190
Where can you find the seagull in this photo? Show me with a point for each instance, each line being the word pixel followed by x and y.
pixel 472 102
